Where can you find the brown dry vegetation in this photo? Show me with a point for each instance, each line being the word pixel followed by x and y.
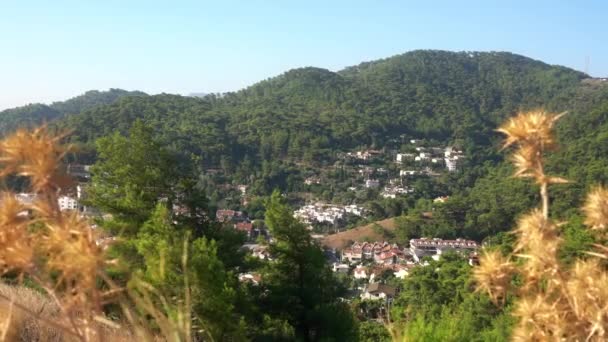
pixel 553 301
pixel 59 253
pixel 26 327
pixel 361 233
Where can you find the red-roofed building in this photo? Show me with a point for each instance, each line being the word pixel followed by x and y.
pixel 246 227
pixel 227 215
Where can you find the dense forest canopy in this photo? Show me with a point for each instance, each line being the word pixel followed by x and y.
pixel 308 113
pixel 36 114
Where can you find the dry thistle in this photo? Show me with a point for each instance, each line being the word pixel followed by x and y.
pixel 538 243
pixel 596 208
pixel 530 128
pixel 539 320
pixel 60 252
pixel 36 155
pixel 555 302
pixel 16 251
pixel 532 133
pixel 494 275
pixel 588 290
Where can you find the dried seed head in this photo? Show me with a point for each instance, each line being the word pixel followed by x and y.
pixel 587 289
pixel 538 243
pixel 530 128
pixel 539 320
pixel 494 275
pixel 72 251
pixel 596 208
pixel 525 160
pixel 35 154
pixel 16 251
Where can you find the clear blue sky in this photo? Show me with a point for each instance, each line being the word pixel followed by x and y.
pixel 53 50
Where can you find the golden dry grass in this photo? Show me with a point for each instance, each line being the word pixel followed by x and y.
pixel 26 327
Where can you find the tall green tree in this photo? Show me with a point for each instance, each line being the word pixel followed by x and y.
pixel 301 287
pixel 131 175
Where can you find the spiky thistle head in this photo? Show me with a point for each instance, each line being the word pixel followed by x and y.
pixel 494 275
pixel 72 251
pixel 587 289
pixel 530 128
pixel 539 319
pixel 36 154
pixel 596 208
pixel 537 243
pixel 16 248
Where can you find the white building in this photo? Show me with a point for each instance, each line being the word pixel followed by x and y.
pixel 372 183
pixel 330 213
pixel 451 163
pixel 436 247
pixel 452 158
pixel 378 291
pixel 67 203
pixel 340 268
pixel 404 173
pixel 402 157
pixel 360 272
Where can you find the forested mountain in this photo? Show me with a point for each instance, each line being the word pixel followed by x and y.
pixel 309 113
pixel 35 114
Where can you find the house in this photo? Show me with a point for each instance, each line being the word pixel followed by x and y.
pixel 340 268
pixel 361 272
pixel 390 256
pixel 26 198
pixel 321 212
pixel 452 158
pixel 401 271
pixel 474 258
pixel 365 155
pixel 227 215
pixel 366 171
pixel 245 227
pixel 420 248
pixel 451 164
pixel 79 171
pixel 261 252
pixel 372 183
pixel 312 180
pixel 67 203
pixel 378 291
pixel 441 199
pixel 242 188
pixel 353 253
pixel 404 173
pixel 354 209
pixel 253 278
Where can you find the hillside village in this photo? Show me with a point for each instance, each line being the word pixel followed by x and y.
pixel 371 261
pixel 371 266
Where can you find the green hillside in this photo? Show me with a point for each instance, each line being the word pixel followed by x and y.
pixel 36 114
pixel 308 113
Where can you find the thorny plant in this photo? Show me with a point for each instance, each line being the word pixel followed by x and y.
pixel 552 301
pixel 60 253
